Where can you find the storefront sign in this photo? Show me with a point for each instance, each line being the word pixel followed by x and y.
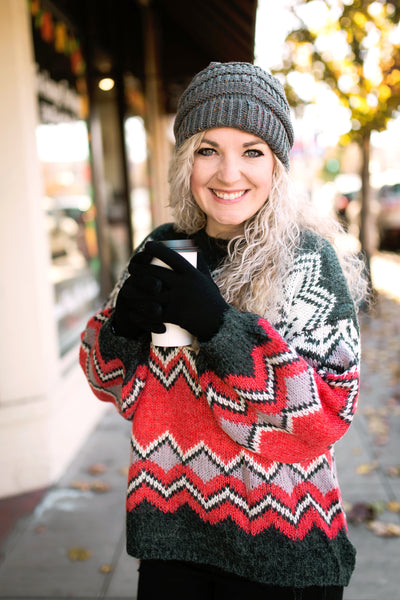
pixel 58 102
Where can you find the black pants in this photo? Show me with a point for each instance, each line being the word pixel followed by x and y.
pixel 175 580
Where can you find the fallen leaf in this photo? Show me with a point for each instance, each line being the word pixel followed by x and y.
pixel 99 487
pixel 106 568
pixel 356 451
pixel 360 512
pixel 80 485
pixel 378 426
pixel 79 554
pixel 392 404
pixel 381 440
pixel 367 468
pixel 393 506
pixel 393 471
pixel 383 412
pixel 347 506
pixel 379 506
pixel 395 369
pixel 384 529
pixel 97 469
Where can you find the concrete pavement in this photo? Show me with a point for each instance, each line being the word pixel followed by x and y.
pixel 73 544
pixel 74 521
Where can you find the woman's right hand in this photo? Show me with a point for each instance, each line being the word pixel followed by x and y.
pixel 137 311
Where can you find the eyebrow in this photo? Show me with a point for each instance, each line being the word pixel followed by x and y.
pixel 245 145
pixel 254 143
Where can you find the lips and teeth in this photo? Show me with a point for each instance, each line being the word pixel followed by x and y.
pixel 229 196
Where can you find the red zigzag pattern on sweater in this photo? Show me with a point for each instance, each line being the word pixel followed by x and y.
pixel 256 493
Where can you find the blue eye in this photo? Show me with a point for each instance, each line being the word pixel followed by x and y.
pixel 252 153
pixel 206 151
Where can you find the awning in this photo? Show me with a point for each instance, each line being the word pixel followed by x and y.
pixel 190 34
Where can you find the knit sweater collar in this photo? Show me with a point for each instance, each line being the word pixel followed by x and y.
pixel 214 249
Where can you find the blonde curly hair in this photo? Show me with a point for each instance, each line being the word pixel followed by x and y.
pixel 250 278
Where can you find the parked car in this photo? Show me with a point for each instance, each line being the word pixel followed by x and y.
pixel 389 216
pixel 353 218
pixel 341 203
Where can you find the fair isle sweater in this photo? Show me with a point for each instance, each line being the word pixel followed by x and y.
pixel 232 462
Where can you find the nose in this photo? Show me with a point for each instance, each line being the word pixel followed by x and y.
pixel 229 169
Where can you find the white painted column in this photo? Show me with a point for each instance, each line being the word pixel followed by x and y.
pixel 27 340
pixel 28 344
pixel 46 408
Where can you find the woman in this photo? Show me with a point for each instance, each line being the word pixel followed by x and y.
pixel 232 487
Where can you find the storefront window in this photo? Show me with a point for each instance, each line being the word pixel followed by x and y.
pixel 63 148
pixel 64 154
pixel 135 135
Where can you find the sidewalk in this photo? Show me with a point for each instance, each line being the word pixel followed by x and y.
pixel 73 543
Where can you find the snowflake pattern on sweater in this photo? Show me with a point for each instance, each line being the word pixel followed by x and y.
pixel 232 460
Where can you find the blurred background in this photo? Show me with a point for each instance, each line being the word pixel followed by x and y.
pixel 88 94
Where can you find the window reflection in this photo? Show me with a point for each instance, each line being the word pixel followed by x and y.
pixel 70 217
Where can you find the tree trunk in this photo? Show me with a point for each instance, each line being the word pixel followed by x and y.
pixel 366 224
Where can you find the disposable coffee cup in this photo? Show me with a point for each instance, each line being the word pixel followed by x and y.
pixel 175 335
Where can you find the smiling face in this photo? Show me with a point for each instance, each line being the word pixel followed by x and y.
pixel 231 178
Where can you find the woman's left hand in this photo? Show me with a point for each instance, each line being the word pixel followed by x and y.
pixel 189 297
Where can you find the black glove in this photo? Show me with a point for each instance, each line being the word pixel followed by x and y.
pixel 136 311
pixel 189 297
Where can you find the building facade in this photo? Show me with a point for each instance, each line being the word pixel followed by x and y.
pixel 83 178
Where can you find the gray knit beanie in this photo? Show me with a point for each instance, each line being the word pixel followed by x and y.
pixel 240 95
